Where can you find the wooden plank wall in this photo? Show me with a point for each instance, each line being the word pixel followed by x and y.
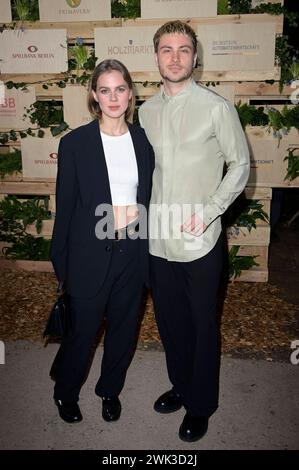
pixel 254 243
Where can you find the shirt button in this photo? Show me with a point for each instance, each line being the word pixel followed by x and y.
pixel 108 248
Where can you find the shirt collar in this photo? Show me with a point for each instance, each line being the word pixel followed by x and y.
pixel 186 91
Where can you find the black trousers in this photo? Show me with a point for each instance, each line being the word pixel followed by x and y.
pixel 185 296
pixel 119 298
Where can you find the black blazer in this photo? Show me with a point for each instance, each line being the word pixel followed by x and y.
pixel 78 256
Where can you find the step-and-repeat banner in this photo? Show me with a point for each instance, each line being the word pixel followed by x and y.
pixel 74 10
pixel 222 47
pixel 268 167
pixel 131 45
pixel 75 111
pixel 39 158
pixel 256 3
pixel 178 8
pixel 5 11
pixel 227 91
pixel 33 51
pixel 236 47
pixel 13 106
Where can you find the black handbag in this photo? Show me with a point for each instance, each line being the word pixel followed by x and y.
pixel 59 319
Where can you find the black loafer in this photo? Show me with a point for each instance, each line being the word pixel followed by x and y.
pixel 168 402
pixel 69 411
pixel 111 408
pixel 193 427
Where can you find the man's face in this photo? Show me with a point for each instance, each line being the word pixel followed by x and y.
pixel 175 57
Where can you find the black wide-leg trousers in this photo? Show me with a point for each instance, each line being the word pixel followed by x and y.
pixel 185 296
pixel 119 298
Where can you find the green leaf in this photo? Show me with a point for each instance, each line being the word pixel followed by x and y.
pixel 237 264
pixel 56 130
pixel 9 85
pixel 10 162
pixel 293 164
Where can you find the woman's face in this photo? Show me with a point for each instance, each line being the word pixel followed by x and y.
pixel 112 94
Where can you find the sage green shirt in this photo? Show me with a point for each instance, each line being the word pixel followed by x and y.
pixel 193 133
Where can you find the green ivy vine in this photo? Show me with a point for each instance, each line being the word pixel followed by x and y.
pixel 15 216
pixel 10 162
pixel 42 114
pixel 25 10
pixel 125 9
pixel 245 213
pixel 49 114
pixel 237 264
pixel 293 164
pixel 278 122
pixel 33 210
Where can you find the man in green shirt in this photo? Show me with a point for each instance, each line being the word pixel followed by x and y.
pixel 194 133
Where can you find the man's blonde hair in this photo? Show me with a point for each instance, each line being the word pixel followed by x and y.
pixel 175 27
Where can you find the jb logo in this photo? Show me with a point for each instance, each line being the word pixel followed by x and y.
pixel 2 353
pixel 294 358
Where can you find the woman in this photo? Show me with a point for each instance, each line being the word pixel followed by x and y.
pixel 103 185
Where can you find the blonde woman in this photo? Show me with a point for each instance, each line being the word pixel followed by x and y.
pixel 103 190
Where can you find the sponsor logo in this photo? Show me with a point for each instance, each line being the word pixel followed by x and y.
pixel 32 49
pixel 73 3
pixel 32 54
pixel 50 161
pixel 74 8
pixel 53 155
pixel 234 48
pixel 131 49
pixel 256 163
pixel 8 106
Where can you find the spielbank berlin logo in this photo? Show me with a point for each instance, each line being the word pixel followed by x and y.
pixel 32 49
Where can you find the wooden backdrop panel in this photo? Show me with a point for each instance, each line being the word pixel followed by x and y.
pixel 74 10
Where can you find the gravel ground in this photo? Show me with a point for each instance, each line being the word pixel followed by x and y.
pixel 256 320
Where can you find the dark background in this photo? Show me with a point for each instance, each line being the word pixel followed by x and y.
pixel 292 5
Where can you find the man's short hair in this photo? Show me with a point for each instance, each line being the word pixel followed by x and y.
pixel 175 27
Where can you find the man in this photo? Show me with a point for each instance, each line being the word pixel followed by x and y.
pixel 194 132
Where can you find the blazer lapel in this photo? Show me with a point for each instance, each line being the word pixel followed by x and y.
pixel 99 178
pixel 95 168
pixel 139 152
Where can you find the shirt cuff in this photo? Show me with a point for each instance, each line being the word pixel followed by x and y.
pixel 210 213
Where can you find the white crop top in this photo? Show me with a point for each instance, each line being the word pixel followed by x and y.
pixel 122 168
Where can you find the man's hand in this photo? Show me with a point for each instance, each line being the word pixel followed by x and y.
pixel 194 225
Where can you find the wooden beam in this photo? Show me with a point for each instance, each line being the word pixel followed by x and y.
pixel 27 188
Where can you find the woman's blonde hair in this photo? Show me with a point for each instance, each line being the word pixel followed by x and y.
pixel 109 65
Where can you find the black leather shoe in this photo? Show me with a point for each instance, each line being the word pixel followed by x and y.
pixel 69 411
pixel 111 408
pixel 193 427
pixel 168 402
